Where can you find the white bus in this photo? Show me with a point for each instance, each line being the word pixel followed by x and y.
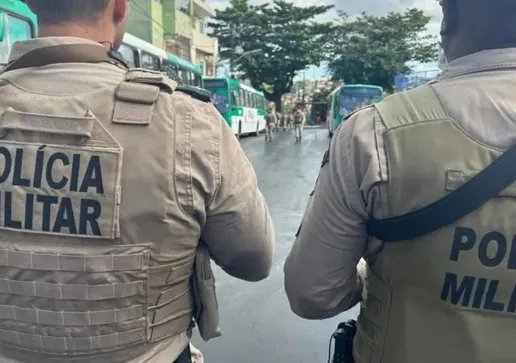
pixel 145 55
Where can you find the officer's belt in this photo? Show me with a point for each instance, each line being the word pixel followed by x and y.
pixel 64 53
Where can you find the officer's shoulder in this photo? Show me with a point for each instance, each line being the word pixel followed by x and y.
pixel 359 112
pixel 195 92
pixel 403 95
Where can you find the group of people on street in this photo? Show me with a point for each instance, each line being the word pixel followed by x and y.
pixel 412 214
pixel 287 121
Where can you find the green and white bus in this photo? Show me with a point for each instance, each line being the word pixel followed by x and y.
pixel 145 55
pixel 347 98
pixel 242 106
pixel 17 22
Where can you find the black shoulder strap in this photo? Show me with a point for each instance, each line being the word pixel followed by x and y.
pixel 472 195
pixel 197 93
pixel 65 53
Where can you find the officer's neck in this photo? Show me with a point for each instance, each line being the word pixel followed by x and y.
pixel 95 33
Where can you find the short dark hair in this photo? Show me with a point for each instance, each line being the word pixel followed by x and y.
pixel 64 11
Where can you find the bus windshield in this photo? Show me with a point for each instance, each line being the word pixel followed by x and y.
pixel 354 98
pixel 221 100
pixel 220 91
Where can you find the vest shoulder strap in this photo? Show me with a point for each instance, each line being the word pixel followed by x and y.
pixel 417 105
pixel 197 93
pixel 65 53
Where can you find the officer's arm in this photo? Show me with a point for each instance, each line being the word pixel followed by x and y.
pixel 321 270
pixel 239 230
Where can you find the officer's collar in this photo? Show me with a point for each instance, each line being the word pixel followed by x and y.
pixel 486 60
pixel 25 46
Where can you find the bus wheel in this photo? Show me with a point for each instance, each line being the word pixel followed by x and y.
pixel 257 133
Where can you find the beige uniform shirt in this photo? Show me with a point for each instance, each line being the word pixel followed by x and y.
pixel 212 177
pixel 321 279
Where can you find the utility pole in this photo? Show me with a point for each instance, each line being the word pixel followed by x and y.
pixel 232 43
pixel 304 87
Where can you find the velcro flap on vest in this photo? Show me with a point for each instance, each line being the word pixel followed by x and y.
pixel 137 93
pixel 51 124
pixel 134 103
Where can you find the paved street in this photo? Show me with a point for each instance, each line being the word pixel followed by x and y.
pixel 256 320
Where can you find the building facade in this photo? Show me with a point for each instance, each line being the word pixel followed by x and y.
pixel 179 26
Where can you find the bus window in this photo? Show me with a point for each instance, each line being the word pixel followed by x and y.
pixel 170 70
pixel 234 99
pixel 246 99
pixel 185 76
pixel 18 29
pixel 197 80
pixel 4 44
pixel 240 99
pixel 14 29
pixel 128 54
pixel 148 61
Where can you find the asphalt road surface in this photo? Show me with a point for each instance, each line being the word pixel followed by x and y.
pixel 257 323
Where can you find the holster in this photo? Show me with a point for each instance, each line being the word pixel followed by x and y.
pixel 206 308
pixel 344 335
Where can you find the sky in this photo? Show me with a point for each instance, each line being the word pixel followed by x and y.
pixel 355 7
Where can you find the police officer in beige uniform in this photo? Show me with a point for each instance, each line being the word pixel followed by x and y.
pixel 299 122
pixel 109 180
pixel 271 120
pixel 448 296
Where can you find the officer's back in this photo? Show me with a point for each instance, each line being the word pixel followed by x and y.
pixel 109 180
pixel 448 296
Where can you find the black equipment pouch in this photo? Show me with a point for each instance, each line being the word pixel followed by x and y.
pixel 343 336
pixel 473 194
pixel 185 356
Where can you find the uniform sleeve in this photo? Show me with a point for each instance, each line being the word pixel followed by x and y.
pixel 238 231
pixel 321 270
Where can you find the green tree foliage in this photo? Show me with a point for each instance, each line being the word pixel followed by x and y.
pixel 372 50
pixel 283 38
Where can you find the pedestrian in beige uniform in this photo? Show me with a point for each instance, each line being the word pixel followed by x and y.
pixel 448 296
pixel 299 123
pixel 270 121
pixel 110 178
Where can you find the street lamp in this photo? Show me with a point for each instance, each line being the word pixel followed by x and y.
pixel 245 54
pixel 242 55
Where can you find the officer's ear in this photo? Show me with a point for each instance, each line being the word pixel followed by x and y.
pixel 121 11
